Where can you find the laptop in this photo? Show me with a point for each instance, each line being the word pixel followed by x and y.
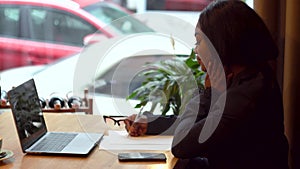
pixel 32 130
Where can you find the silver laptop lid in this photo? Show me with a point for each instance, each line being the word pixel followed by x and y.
pixel 27 113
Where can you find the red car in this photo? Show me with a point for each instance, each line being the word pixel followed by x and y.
pixel 177 5
pixel 186 5
pixel 35 32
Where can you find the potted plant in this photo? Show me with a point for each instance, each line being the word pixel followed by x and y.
pixel 169 84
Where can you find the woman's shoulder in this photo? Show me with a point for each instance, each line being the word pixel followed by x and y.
pixel 248 83
pixel 246 90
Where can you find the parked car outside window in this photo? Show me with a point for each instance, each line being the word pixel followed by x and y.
pixel 169 5
pixel 35 32
pixel 109 12
pixel 111 81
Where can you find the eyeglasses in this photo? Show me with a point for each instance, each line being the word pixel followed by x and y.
pixel 116 120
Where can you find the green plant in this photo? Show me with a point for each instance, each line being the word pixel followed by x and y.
pixel 170 84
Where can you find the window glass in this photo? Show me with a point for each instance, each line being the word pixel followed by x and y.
pixel 58 27
pixel 9 21
pixel 115 81
pixel 249 3
pixel 38 16
pixel 123 22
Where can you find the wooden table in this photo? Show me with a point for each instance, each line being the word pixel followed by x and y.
pixel 68 122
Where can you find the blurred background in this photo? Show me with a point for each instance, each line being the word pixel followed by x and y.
pixel 53 41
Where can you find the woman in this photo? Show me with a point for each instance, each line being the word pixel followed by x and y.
pixel 241 127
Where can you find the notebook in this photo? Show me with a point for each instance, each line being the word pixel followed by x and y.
pixel 32 130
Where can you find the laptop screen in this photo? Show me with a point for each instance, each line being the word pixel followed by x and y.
pixel 27 113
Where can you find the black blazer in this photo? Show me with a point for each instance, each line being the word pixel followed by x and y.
pixel 246 132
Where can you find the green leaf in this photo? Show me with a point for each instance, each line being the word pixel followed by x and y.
pixel 168 83
pixel 132 95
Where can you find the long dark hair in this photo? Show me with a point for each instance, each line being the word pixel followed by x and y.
pixel 238 34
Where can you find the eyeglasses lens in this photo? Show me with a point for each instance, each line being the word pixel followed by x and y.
pixel 115 122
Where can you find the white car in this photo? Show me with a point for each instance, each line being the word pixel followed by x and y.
pixel 108 69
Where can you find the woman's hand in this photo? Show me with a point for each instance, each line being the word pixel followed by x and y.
pixel 136 126
pixel 207 82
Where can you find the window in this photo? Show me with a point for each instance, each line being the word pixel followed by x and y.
pixel 58 27
pixel 9 21
pixel 123 22
pixel 249 3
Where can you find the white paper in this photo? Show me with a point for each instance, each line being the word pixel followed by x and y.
pixel 119 140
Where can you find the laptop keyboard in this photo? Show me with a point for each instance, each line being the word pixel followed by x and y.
pixel 54 142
